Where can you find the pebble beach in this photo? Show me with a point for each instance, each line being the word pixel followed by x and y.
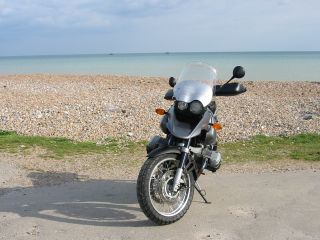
pixel 98 107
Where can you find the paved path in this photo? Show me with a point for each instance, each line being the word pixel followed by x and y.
pixel 245 206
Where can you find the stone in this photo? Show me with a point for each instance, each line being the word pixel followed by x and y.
pixel 38 114
pixel 307 116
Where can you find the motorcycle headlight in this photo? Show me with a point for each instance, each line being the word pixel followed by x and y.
pixel 182 106
pixel 196 107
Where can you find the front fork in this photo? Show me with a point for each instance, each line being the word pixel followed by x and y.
pixel 184 148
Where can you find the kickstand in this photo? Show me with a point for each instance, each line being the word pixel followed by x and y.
pixel 201 192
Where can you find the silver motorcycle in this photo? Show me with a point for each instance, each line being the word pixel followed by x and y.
pixel 168 177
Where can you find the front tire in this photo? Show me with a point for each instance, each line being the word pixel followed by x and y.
pixel 154 190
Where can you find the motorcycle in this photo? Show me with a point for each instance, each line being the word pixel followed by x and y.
pixel 167 179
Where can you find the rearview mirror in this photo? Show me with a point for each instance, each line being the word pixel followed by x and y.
pixel 172 81
pixel 238 72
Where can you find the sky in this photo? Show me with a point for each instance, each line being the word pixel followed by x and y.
pixel 37 27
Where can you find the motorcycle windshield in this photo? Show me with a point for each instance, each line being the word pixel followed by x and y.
pixel 196 82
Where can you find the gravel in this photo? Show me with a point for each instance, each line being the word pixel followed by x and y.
pixel 95 107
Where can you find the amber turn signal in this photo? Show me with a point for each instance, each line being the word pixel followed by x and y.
pixel 217 126
pixel 160 111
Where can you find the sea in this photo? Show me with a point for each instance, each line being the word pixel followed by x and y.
pixel 270 66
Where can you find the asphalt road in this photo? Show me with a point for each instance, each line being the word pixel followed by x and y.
pixel 244 206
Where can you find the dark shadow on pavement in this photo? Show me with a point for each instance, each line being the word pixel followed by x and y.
pixel 92 202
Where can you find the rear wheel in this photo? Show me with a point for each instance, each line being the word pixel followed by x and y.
pixel 156 197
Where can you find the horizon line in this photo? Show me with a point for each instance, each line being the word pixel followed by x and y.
pixel 167 52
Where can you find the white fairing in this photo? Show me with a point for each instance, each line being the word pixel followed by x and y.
pixel 196 82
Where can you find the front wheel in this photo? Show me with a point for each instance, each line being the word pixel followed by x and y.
pixel 156 197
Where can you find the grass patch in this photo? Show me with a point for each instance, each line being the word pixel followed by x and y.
pixel 263 148
pixel 61 147
pixel 259 148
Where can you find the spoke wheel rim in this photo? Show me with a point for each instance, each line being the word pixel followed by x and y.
pixel 163 199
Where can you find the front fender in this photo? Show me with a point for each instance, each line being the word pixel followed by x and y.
pixel 164 150
pixel 168 149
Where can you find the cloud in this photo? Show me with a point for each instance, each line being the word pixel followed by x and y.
pixel 157 25
pixel 79 13
pixel 51 13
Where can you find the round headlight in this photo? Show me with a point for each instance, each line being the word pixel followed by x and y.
pixel 182 106
pixel 196 107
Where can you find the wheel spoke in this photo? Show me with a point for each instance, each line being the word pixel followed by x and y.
pixel 163 199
